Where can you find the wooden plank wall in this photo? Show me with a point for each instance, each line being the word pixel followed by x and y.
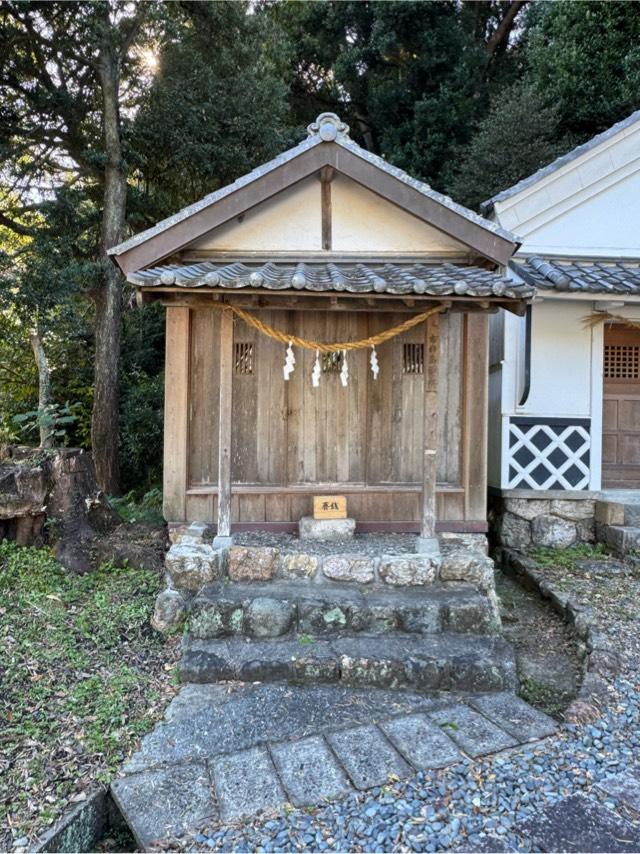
pixel 288 438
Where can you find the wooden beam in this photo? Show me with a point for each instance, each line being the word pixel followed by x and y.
pixel 176 412
pixel 326 177
pixel 475 429
pixel 224 424
pixel 430 437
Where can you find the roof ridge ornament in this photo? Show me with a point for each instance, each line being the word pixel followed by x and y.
pixel 328 126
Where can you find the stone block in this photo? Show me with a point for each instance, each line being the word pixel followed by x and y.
pixel 326 529
pixel 474 542
pixel 422 742
pixel 374 619
pixel 246 563
pixel 526 508
pixel 586 529
pixel 165 803
pixel 515 716
pixel 514 531
pixel 575 510
pixel 578 823
pixel 323 617
pixel 298 565
pixel 424 619
pixel 624 787
pixel 609 513
pixel 471 731
pixel 473 616
pixel 268 618
pixel 409 570
pixel 552 532
pixel 169 612
pixel 191 565
pixel 470 567
pixel 348 567
pixel 246 784
pixel 367 756
pixel 309 771
pixel 215 619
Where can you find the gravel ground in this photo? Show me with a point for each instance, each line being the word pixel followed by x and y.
pixel 479 804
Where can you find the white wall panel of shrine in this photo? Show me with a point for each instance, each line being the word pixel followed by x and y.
pixel 361 222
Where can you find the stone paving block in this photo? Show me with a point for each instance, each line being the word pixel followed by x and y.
pixel 515 716
pixel 578 823
pixel 423 743
pixel 367 756
pixel 471 730
pixel 309 771
pixel 164 803
pixel 246 784
pixel 624 787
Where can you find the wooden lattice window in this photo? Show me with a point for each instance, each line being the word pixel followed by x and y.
pixel 244 357
pixel 622 361
pixel 413 358
pixel 332 362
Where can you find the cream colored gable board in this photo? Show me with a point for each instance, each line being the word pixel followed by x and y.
pixel 572 184
pixel 361 222
pixel 604 225
pixel 287 222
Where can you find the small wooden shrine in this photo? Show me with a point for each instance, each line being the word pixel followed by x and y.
pixel 327 332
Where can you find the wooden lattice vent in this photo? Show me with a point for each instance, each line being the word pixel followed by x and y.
pixel 413 358
pixel 244 357
pixel 622 361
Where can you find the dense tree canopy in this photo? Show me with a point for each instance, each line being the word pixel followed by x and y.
pixel 114 114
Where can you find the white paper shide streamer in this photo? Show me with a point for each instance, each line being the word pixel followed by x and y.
pixel 373 361
pixel 289 362
pixel 317 370
pixel 344 371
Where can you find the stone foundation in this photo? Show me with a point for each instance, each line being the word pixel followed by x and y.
pixel 382 564
pixel 553 522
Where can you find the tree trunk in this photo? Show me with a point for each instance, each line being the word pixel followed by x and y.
pixel 108 298
pixel 44 386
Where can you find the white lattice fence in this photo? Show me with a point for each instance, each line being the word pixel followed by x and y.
pixel 549 453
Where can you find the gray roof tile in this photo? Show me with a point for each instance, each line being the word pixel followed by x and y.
pixel 598 277
pixel 398 278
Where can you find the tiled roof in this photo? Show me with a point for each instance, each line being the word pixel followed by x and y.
pixel 599 277
pixel 315 137
pixel 398 278
pixel 559 162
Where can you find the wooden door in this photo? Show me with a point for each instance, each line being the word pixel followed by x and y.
pixel 621 408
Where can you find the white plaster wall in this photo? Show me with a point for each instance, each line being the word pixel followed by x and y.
pixel 588 207
pixel 560 361
pixel 361 222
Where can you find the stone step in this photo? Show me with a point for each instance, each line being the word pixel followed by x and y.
pixel 442 662
pixel 273 609
pixel 621 538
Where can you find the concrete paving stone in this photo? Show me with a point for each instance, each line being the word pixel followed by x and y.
pixel 209 720
pixel 246 784
pixel 164 803
pixel 367 756
pixel 471 731
pixel 309 771
pixel 424 744
pixel 624 787
pixel 578 823
pixel 512 714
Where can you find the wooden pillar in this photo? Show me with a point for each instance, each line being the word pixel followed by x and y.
pixel 430 435
pixel 176 413
pixel 224 424
pixel 476 413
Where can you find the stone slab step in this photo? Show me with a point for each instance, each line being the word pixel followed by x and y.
pixel 273 609
pixel 223 755
pixel 621 538
pixel 441 662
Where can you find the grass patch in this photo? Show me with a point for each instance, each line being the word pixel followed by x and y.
pixel 566 558
pixel 83 676
pixel 134 507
